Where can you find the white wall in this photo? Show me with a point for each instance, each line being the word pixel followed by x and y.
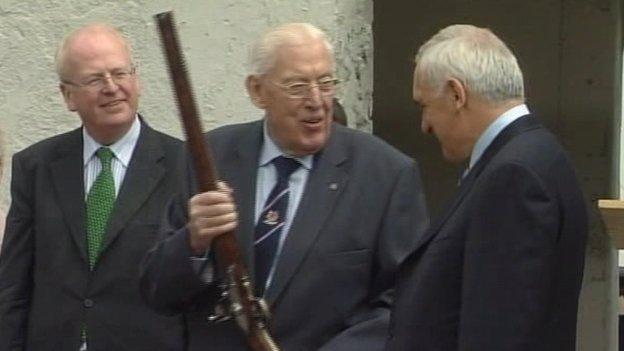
pixel 215 36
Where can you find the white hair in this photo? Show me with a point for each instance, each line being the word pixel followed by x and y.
pixel 61 53
pixel 474 56
pixel 262 54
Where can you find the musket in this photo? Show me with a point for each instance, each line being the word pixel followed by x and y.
pixel 237 298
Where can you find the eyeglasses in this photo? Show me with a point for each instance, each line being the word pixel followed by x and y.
pixel 301 90
pixel 97 82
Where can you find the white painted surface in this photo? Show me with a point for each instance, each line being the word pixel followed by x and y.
pixel 215 36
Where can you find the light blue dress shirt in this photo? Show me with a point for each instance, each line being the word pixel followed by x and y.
pixel 492 131
pixel 266 179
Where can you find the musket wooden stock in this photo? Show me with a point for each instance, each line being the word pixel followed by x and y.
pixel 246 308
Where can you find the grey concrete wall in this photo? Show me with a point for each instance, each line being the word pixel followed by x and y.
pixel 215 35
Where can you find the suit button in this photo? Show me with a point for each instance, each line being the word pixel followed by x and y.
pixel 88 303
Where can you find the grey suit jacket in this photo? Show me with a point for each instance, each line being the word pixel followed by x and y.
pixel 502 267
pixel 361 212
pixel 47 293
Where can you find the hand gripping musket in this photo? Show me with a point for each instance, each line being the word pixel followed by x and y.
pixel 237 298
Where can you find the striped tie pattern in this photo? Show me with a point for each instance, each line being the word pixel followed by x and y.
pixel 100 201
pixel 271 221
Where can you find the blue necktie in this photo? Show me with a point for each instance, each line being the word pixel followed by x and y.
pixel 271 221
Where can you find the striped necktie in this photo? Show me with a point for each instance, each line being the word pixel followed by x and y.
pixel 271 221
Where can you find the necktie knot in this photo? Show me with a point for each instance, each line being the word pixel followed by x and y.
pixel 285 166
pixel 105 155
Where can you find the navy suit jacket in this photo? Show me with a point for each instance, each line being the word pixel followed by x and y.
pixel 501 269
pixel 361 212
pixel 47 293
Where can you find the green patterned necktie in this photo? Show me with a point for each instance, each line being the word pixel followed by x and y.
pixel 100 202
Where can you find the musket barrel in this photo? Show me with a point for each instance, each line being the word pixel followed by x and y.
pixel 248 312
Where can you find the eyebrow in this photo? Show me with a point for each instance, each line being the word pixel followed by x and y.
pixel 302 78
pixel 114 70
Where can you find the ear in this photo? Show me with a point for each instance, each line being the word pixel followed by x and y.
pixel 459 92
pixel 255 91
pixel 67 96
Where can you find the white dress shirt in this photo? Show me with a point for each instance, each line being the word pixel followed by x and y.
pixel 122 150
pixel 265 181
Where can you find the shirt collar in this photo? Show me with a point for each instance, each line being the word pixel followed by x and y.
pixel 494 129
pixel 122 148
pixel 270 150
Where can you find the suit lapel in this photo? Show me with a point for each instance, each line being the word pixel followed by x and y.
pixel 517 127
pixel 142 176
pixel 325 183
pixel 241 171
pixel 68 179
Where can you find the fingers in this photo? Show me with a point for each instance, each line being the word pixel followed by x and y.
pixel 211 214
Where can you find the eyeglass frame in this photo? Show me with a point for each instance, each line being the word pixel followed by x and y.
pixel 308 88
pixel 98 81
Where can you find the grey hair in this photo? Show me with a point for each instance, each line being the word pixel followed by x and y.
pixel 262 54
pixel 474 56
pixel 61 52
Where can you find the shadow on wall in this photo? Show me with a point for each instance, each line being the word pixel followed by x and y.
pixel 339 113
pixel 2 213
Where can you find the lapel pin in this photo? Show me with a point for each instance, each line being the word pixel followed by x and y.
pixel 271 218
pixel 333 186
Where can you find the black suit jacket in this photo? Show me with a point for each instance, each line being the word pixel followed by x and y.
pixel 502 268
pixel 361 212
pixel 47 292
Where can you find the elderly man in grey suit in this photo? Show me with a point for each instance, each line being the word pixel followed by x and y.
pixel 501 268
pixel 84 208
pixel 326 261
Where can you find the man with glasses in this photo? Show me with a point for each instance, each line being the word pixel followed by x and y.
pixel 83 212
pixel 323 214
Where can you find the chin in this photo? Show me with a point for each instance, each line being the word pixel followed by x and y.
pixel 307 149
pixel 450 157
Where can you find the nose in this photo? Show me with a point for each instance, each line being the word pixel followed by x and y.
pixel 424 126
pixel 109 84
pixel 314 98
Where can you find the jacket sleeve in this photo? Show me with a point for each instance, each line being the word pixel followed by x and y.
pixel 171 281
pixel 16 260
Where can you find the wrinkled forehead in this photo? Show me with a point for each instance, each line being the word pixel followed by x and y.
pixel 304 57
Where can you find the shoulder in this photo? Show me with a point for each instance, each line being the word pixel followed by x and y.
pixel 45 149
pixel 228 136
pixel 165 140
pixel 238 129
pixel 538 150
pixel 535 161
pixel 365 147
